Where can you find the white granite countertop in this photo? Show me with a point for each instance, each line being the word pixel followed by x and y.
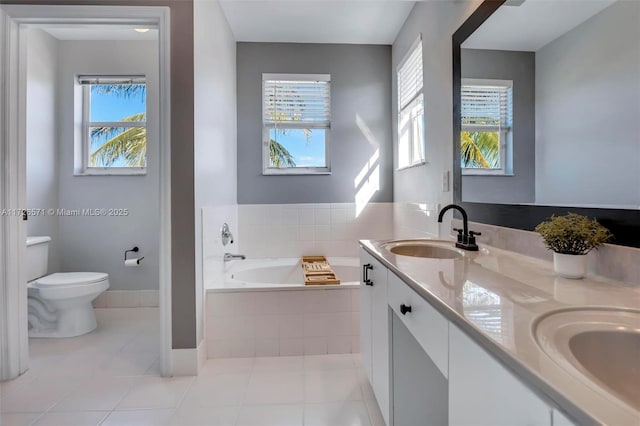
pixel 495 296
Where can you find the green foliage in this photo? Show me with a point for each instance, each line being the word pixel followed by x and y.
pixel 480 150
pixel 127 143
pixel 572 234
pixel 279 155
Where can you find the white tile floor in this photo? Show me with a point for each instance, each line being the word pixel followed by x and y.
pixel 110 377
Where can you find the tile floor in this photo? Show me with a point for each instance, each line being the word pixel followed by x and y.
pixel 111 377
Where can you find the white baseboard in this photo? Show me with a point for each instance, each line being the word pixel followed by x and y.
pixel 185 362
pixel 128 299
pixel 202 354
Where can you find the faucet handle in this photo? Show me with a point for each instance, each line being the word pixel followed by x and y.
pixel 472 233
pixel 460 231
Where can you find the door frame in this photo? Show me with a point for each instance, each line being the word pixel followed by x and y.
pixel 14 21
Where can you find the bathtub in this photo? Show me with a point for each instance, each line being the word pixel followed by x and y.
pixel 261 307
pixel 285 273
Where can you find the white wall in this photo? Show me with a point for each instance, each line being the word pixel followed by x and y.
pixel 587 110
pixel 437 21
pixel 98 243
pixel 215 136
pixel 42 156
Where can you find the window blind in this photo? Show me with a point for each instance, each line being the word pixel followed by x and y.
pixel 410 76
pixel 485 105
pixel 297 102
pixel 112 79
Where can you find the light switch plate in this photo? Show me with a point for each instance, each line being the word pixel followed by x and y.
pixel 445 181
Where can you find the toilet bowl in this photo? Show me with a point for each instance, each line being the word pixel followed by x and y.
pixel 60 304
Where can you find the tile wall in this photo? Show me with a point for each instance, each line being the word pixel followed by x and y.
pixel 294 230
pixel 308 321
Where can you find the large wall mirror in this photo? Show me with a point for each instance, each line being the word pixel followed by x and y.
pixel 547 113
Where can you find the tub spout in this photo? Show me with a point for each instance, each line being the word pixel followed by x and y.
pixel 229 256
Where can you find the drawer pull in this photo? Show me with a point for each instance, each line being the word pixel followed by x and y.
pixel 365 274
pixel 404 309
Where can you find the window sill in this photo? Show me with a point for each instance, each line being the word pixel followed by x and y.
pixel 421 163
pixel 115 172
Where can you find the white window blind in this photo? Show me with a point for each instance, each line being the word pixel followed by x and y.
pixel 487 106
pixel 410 76
pixel 299 101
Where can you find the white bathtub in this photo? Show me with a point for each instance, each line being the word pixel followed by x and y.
pixel 283 273
pixel 261 307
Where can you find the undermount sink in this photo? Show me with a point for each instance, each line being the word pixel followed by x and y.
pixel 598 345
pixel 425 249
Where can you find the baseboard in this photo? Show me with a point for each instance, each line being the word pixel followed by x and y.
pixel 202 354
pixel 185 362
pixel 128 299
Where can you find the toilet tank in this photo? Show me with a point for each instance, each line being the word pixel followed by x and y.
pixel 37 257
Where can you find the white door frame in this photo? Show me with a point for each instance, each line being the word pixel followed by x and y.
pixel 14 19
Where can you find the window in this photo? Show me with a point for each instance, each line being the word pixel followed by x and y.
pixel 296 121
pixel 486 137
pixel 114 125
pixel 411 138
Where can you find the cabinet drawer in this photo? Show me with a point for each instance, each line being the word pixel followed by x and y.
pixel 427 325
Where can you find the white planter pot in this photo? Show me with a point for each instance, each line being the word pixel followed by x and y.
pixel 572 266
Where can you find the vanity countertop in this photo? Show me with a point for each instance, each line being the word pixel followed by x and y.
pixel 496 296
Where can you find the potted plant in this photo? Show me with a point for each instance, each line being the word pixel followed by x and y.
pixel 571 237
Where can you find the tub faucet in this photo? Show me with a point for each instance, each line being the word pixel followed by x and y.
pixel 229 256
pixel 466 239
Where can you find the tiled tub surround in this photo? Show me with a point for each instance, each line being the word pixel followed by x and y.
pixel 310 320
pixel 293 230
pixel 619 263
pixel 496 297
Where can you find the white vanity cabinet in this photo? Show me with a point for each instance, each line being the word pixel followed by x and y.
pixel 374 329
pixel 483 392
pixel 425 370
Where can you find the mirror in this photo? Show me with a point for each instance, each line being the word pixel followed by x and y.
pixel 547 112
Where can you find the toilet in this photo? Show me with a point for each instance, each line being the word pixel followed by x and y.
pixel 60 304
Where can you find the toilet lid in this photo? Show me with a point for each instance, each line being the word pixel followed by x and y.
pixel 71 278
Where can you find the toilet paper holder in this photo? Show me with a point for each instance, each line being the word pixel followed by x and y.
pixel 134 250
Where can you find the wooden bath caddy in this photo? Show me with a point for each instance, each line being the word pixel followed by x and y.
pixel 317 271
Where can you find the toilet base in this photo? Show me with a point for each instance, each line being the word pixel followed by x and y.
pixel 71 322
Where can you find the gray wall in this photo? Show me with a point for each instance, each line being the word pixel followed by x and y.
pixel 588 110
pixel 215 127
pixel 98 243
pixel 518 187
pixel 42 152
pixel 360 109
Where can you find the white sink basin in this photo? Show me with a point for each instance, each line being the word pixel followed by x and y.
pixel 599 346
pixel 421 248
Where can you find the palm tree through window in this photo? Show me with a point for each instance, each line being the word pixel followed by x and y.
pixel 114 122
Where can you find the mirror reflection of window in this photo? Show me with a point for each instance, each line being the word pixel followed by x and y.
pixel 487 111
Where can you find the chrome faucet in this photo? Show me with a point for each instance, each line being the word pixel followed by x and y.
pixel 226 235
pixel 229 256
pixel 466 239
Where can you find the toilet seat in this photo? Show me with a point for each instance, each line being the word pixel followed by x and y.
pixel 64 279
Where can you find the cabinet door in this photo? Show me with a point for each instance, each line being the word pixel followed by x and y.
pixel 380 338
pixel 374 329
pixel 365 315
pixel 483 392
